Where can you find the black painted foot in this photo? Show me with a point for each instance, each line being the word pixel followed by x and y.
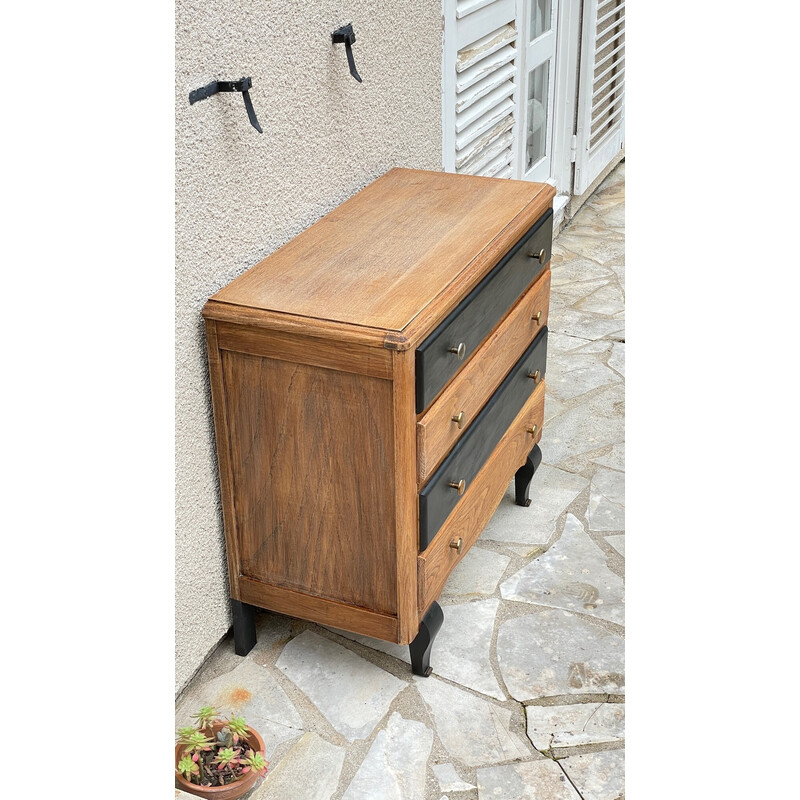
pixel 244 627
pixel 421 646
pixel 524 475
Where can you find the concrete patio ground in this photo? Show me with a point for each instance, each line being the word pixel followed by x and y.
pixel 526 699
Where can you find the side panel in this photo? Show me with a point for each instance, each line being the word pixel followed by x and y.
pixel 311 454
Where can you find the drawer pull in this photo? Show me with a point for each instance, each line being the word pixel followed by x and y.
pixel 460 351
pixel 459 487
pixel 537 316
pixel 534 376
pixel 532 431
pixel 458 419
pixel 541 256
pixel 456 544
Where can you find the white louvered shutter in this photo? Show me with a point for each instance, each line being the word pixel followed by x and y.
pixel 601 93
pixel 480 97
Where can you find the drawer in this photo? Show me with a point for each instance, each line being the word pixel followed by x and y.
pixel 479 502
pixel 446 487
pixel 442 354
pixel 458 405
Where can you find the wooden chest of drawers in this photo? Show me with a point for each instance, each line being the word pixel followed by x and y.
pixel 376 384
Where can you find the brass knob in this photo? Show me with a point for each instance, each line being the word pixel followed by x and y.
pixel 541 255
pixel 456 544
pixel 460 486
pixel 460 351
pixel 537 316
pixel 459 419
pixel 534 375
pixel 532 431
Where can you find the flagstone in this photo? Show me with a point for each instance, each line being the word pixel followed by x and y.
pixel 353 694
pixel 573 725
pixel 576 290
pixel 531 780
pixel 551 492
pixel 570 267
pixel 572 574
pixel 613 213
pixel 552 406
pixel 607 300
pixel 599 776
pixel 474 731
pixel 606 511
pixel 449 779
pixel 555 652
pixel 585 325
pixel 602 249
pixel 564 343
pixel 589 426
pixel 619 270
pixel 615 458
pixel 617 542
pixel 558 343
pixel 598 346
pixel 476 575
pixel 617 358
pixel 309 771
pixel 395 766
pixel 572 375
pixel 249 691
pixel 462 648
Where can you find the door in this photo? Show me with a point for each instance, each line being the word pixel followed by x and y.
pixel 538 45
pixel 600 134
pixel 480 87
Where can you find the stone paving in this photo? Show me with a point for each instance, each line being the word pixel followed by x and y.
pixel 526 699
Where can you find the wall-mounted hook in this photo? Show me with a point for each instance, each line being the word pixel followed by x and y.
pixel 347 35
pixel 242 86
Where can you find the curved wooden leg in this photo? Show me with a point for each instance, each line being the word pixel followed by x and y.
pixel 244 627
pixel 421 646
pixel 524 475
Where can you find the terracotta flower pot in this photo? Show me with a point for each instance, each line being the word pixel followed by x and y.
pixel 232 790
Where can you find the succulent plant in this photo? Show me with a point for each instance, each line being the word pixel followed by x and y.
pixel 188 767
pixel 226 757
pixel 194 740
pixel 206 717
pixel 254 761
pixel 238 728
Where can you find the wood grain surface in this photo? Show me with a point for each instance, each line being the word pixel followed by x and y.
pixel 480 501
pixel 405 492
pixel 473 386
pixel 222 436
pixel 300 349
pixel 311 453
pixel 319 610
pixel 404 249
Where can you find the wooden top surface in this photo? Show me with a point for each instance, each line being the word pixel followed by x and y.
pixel 389 262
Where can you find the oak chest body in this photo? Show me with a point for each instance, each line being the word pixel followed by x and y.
pixel 377 383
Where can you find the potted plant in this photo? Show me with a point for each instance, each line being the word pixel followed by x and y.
pixel 219 759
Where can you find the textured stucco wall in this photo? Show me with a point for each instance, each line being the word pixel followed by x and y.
pixel 241 195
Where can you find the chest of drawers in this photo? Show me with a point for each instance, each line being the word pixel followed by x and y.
pixel 377 383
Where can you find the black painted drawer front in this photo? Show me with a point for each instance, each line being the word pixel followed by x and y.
pixel 475 316
pixel 438 498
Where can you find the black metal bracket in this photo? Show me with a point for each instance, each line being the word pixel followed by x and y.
pixel 347 35
pixel 244 85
